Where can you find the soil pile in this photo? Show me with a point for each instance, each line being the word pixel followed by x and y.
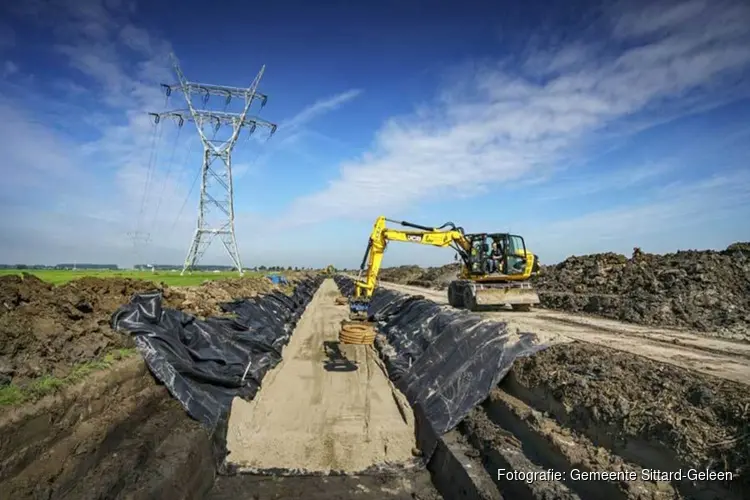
pixel 702 290
pixel 47 330
pixel 431 277
pixel 632 403
pixel 204 300
pixel 400 274
pixel 437 277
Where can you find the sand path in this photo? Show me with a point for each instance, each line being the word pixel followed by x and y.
pixel 325 407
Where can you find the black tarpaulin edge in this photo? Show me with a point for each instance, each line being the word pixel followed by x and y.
pixel 205 363
pixel 444 360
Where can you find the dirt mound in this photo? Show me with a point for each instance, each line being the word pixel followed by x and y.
pixel 702 290
pixel 437 277
pixel 204 300
pixel 47 330
pixel 431 277
pixel 628 403
pixel 400 274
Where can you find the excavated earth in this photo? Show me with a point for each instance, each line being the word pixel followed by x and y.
pixel 46 329
pixel 574 408
pixel 592 408
pixel 431 277
pixel 701 290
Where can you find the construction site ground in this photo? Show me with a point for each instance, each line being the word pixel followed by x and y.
pixel 668 400
pixel 693 350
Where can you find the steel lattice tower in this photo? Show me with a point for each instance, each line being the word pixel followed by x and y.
pixel 216 206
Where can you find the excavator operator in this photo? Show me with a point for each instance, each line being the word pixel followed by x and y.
pixel 495 258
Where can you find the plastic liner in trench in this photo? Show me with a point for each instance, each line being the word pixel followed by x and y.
pixel 206 363
pixel 445 361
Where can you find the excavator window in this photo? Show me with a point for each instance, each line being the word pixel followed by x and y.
pixel 476 256
pixel 515 260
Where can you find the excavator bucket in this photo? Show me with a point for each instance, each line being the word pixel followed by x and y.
pixel 519 296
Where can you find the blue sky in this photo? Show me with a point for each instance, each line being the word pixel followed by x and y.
pixel 584 127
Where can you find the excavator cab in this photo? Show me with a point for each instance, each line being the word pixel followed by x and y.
pixel 512 262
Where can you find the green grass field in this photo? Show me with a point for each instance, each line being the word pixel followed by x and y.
pixel 170 278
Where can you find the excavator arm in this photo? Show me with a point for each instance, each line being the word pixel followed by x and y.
pixel 447 235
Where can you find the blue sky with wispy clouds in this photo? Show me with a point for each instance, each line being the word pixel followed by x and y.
pixel 585 127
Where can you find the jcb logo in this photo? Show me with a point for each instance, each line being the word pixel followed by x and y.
pixel 415 238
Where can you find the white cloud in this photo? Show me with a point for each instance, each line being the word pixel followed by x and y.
pixel 501 122
pixel 137 39
pixel 679 215
pixel 292 130
pixel 9 68
pixel 709 213
pixel 26 165
pixel 318 108
pixel 603 181
pixel 497 125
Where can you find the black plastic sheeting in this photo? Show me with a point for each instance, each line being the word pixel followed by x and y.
pixel 206 363
pixel 445 361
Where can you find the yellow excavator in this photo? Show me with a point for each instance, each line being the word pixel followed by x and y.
pixel 495 267
pixel 330 270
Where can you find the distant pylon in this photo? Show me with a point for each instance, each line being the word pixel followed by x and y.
pixel 217 191
pixel 138 237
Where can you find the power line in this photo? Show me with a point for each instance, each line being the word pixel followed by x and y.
pixel 166 178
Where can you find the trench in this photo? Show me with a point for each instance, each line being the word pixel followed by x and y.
pixel 120 435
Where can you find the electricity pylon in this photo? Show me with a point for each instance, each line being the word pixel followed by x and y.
pixel 138 237
pixel 217 191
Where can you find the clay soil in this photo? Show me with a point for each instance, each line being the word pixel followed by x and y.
pixel 431 277
pixel 116 435
pixel 47 330
pixel 660 416
pixel 702 290
pixel 607 396
pixel 684 348
pixel 409 486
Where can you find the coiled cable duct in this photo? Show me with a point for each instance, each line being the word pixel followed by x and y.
pixel 357 333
